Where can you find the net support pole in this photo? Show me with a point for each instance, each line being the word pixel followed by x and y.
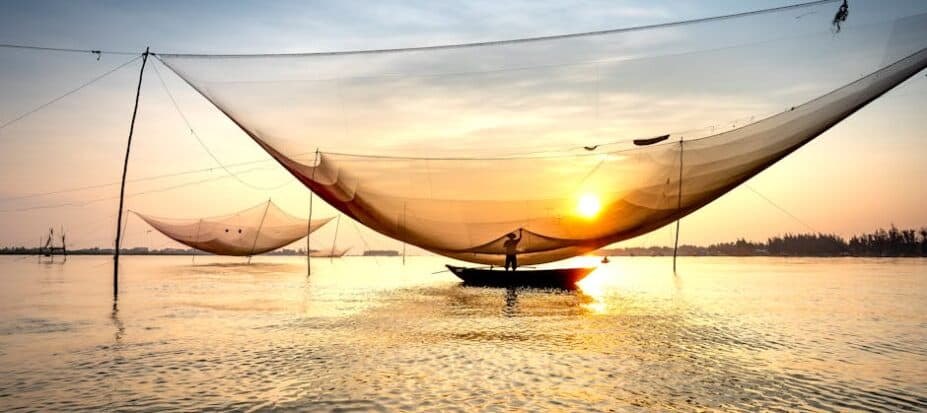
pixel 309 221
pixel 678 206
pixel 403 231
pixel 122 187
pixel 197 238
pixel 125 227
pixel 331 257
pixel 258 234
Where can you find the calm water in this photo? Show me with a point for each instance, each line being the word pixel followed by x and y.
pixel 364 334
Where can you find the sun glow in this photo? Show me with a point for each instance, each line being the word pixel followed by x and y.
pixel 593 293
pixel 588 205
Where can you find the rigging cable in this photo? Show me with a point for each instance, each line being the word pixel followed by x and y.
pixel 95 52
pixel 125 227
pixel 363 240
pixel 68 93
pixel 258 234
pixel 522 40
pixel 98 52
pixel 335 238
pixel 203 144
pixel 142 179
pixel 85 203
pixel 770 201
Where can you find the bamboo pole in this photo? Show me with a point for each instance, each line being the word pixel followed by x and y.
pixel 678 207
pixel 309 221
pixel 331 257
pixel 122 187
pixel 258 234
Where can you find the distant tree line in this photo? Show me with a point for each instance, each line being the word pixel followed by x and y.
pixel 893 242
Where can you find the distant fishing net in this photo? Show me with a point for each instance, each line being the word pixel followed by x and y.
pixel 452 148
pixel 330 252
pixel 253 231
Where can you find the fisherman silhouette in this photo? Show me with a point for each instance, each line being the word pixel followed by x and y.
pixel 511 248
pixel 841 16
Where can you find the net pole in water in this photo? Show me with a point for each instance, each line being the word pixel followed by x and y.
pixel 258 233
pixel 331 257
pixel 197 238
pixel 403 230
pixel 309 221
pixel 678 207
pixel 122 187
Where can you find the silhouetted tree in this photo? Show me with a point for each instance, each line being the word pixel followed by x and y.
pixel 923 242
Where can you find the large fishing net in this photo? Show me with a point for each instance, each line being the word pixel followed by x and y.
pixel 253 231
pixel 452 148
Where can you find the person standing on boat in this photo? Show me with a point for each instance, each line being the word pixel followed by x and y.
pixel 511 248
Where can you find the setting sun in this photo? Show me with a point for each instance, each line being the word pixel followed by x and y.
pixel 588 205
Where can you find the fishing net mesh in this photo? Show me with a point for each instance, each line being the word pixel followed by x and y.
pixel 253 231
pixel 453 148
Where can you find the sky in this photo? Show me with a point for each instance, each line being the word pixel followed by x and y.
pixel 863 174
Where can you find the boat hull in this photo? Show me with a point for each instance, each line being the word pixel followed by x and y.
pixel 565 278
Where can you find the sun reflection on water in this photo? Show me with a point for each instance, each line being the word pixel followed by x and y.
pixel 593 289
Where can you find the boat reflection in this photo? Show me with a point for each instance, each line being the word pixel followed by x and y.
pixel 511 302
pixel 467 301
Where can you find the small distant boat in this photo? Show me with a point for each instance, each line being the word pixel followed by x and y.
pixel 650 141
pixel 605 260
pixel 565 278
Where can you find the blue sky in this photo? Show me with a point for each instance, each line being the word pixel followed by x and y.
pixel 291 26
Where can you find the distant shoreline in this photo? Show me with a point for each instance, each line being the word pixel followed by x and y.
pixel 593 254
pixel 890 243
pixel 630 252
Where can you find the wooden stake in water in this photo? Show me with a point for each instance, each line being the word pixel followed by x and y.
pixel 403 229
pixel 258 234
pixel 678 207
pixel 122 187
pixel 331 257
pixel 309 222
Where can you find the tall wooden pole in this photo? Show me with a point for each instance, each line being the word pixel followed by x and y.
pixel 678 207
pixel 331 257
pixel 308 241
pixel 309 223
pixel 122 187
pixel 403 231
pixel 258 234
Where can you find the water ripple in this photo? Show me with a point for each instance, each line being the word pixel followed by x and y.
pixel 228 343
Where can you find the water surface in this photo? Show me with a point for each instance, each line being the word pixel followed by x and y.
pixel 732 334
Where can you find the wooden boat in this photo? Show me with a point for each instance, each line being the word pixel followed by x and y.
pixel 565 278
